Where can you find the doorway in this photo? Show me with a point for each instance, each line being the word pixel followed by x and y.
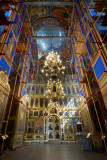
pixel 53 128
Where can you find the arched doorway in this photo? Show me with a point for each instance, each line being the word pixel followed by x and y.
pixel 53 127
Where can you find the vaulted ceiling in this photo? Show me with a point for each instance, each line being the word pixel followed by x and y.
pixel 50 23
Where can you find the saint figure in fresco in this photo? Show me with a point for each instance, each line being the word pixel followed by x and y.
pixel 10 47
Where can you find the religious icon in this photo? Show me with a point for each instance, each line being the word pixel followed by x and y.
pixel 50 127
pixel 50 119
pixel 57 135
pixel 32 101
pixel 56 127
pixel 50 135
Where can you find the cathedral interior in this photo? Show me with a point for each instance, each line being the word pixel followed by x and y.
pixel 53 74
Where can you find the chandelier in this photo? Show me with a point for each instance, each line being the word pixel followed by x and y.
pixel 53 66
pixel 54 90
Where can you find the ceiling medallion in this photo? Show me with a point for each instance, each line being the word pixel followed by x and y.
pixel 53 66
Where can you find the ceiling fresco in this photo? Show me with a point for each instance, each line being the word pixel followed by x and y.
pixel 50 21
pixel 38 12
pixel 49 44
pixel 49 27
